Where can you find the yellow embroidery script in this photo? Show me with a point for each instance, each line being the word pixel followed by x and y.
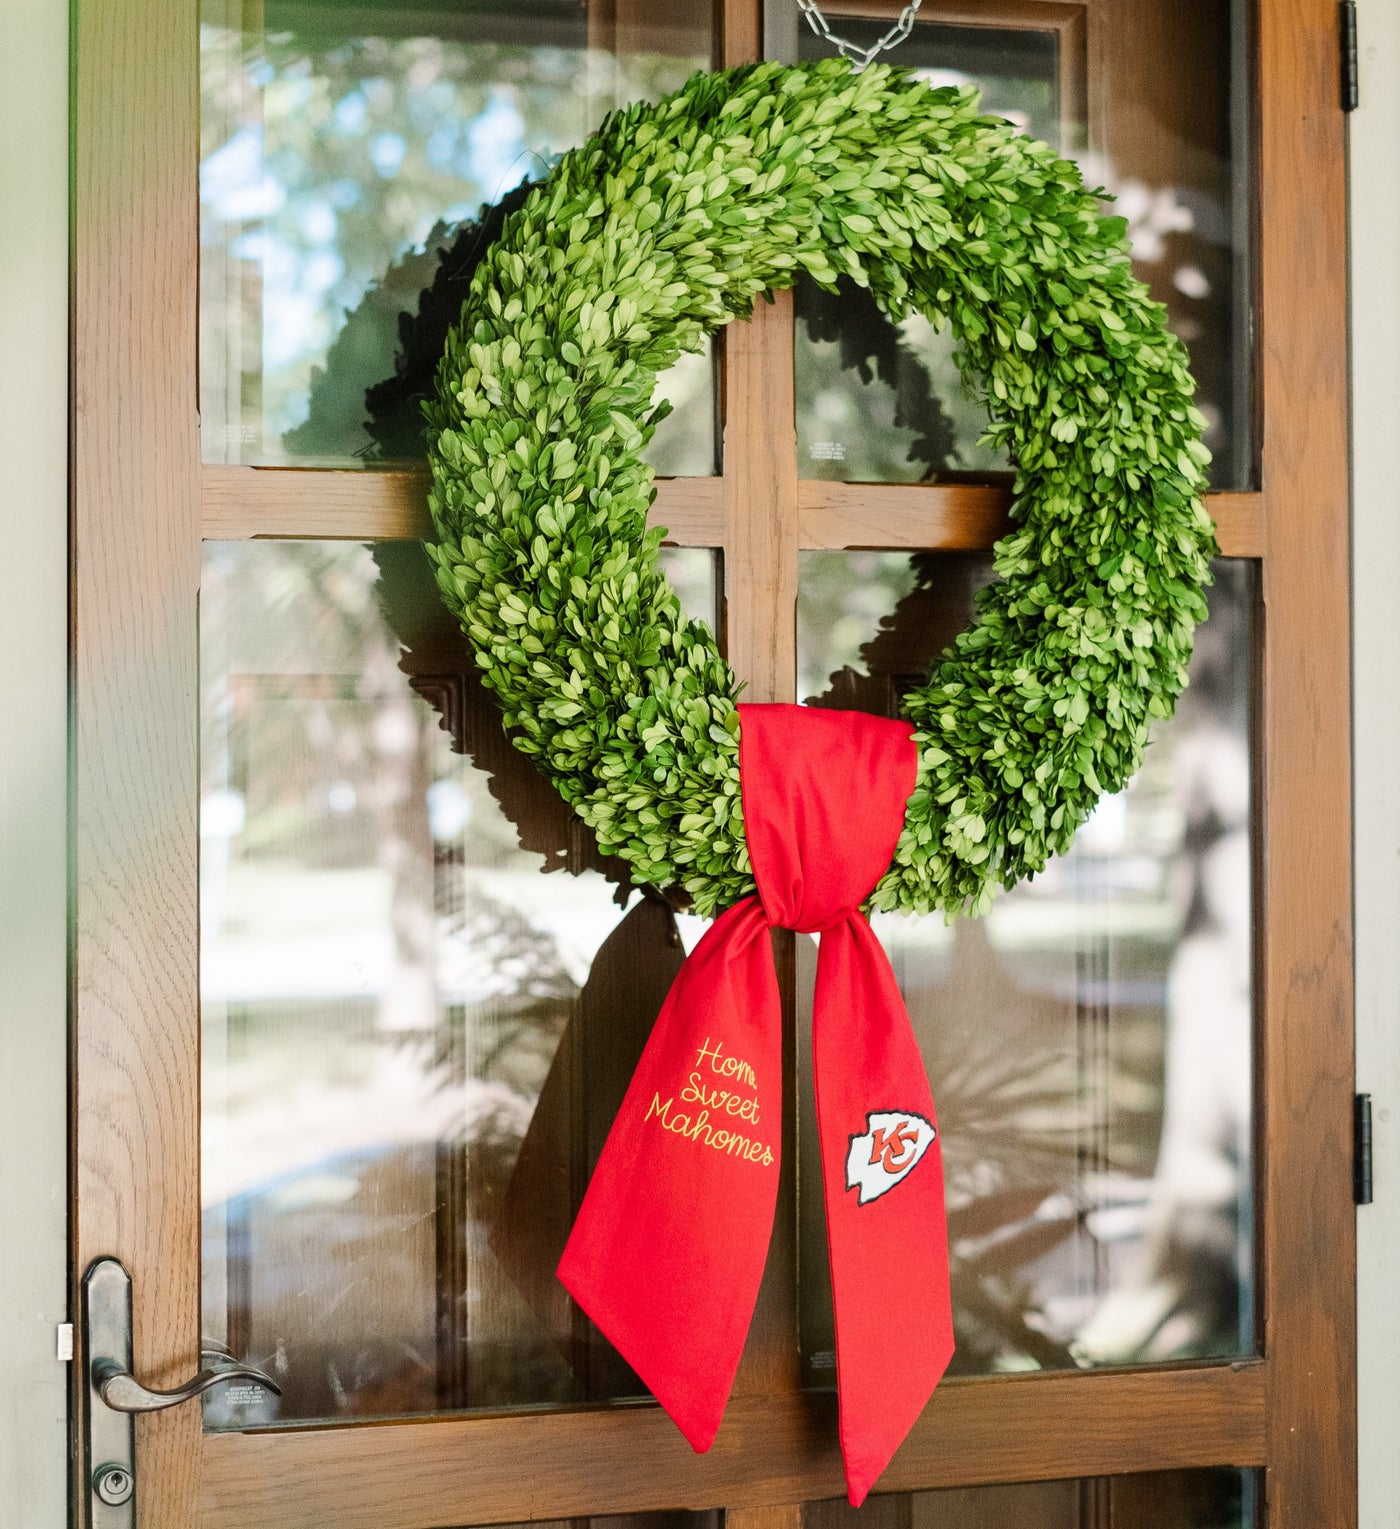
pixel 730 1098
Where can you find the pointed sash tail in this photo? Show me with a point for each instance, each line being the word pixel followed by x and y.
pixel 668 1248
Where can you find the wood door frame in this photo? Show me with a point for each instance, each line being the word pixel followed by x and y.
pixel 141 503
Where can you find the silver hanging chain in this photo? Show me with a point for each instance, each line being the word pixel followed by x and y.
pixel 860 57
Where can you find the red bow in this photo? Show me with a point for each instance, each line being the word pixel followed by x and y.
pixel 668 1249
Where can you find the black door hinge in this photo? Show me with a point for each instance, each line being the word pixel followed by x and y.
pixel 1361 1148
pixel 1351 81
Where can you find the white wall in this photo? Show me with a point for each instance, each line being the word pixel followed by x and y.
pixel 33 712
pixel 1375 305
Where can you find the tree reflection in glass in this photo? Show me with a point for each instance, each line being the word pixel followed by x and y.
pixel 341 153
pixel 414 1040
pixel 1089 1042
pixel 1156 113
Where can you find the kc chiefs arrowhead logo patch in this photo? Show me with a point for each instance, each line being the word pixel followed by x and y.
pixel 887 1152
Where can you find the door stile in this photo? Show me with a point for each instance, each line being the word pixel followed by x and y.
pixel 760 461
pixel 1309 1224
pixel 788 1517
pixel 740 31
pixel 760 632
pixel 135 584
pixel 760 501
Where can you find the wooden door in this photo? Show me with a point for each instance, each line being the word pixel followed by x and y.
pixel 1074 1405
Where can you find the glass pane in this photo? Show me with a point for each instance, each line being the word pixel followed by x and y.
pixel 1201 1499
pixel 345 155
pixel 413 1040
pixel 1159 118
pixel 1089 1041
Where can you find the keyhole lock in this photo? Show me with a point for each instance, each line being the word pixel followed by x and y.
pixel 113 1484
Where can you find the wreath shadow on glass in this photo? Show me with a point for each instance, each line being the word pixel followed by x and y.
pixel 665 225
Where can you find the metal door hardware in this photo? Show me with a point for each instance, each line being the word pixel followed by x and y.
pixel 1351 68
pixel 859 56
pixel 113 1485
pixel 1362 1188
pixel 115 1396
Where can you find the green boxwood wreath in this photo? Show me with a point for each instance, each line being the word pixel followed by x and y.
pixel 662 227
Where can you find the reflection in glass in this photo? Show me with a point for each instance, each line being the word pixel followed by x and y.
pixel 343 154
pixel 1201 1499
pixel 413 1040
pixel 1160 121
pixel 1088 1041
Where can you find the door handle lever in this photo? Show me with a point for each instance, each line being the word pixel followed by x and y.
pixel 113 1394
pixel 121 1390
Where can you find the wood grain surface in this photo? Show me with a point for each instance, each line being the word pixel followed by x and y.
pixel 135 590
pixel 141 503
pixel 760 502
pixel 307 504
pixel 779 1516
pixel 1305 1060
pixel 294 503
pixel 769 1453
pixel 965 517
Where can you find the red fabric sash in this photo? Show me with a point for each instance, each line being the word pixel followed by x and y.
pixel 668 1249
